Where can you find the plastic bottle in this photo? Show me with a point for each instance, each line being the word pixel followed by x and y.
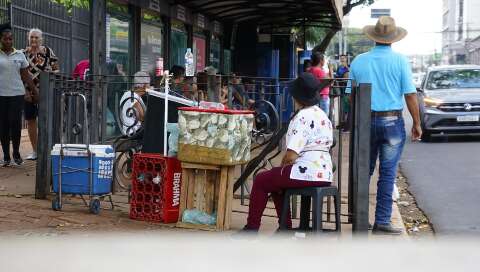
pixel 198 217
pixel 189 67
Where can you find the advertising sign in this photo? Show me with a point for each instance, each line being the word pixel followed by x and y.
pixel 151 46
pixel 199 51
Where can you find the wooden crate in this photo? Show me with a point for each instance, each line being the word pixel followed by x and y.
pixel 207 188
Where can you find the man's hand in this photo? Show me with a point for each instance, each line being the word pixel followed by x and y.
pixel 416 132
pixel 412 104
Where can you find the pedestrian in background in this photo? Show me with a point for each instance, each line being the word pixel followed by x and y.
pixel 40 59
pixel 391 77
pixel 318 62
pixel 13 75
pixel 342 73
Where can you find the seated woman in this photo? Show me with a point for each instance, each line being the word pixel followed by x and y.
pixel 306 162
pixel 133 105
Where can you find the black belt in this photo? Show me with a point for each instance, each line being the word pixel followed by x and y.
pixel 397 113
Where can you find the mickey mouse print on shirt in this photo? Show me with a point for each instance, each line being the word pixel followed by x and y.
pixel 310 135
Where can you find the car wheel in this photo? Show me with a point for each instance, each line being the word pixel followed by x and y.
pixel 426 136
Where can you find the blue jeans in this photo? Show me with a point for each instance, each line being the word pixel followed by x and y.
pixel 387 141
pixel 324 104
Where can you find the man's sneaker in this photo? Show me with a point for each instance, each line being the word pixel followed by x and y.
pixel 386 229
pixel 32 157
pixel 17 160
pixel 6 163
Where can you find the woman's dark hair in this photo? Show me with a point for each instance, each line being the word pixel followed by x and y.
pixel 307 64
pixel 202 78
pixel 112 68
pixel 5 28
pixel 177 71
pixel 317 57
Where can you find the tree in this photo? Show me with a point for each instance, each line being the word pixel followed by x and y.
pixel 347 7
pixel 69 4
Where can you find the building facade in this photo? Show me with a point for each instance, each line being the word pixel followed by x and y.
pixel 461 28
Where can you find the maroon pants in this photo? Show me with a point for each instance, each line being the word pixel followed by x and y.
pixel 273 182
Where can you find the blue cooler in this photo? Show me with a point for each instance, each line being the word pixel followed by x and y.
pixel 75 179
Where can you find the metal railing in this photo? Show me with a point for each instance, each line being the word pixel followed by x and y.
pixel 104 92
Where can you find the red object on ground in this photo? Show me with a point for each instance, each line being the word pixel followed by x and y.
pixel 156 184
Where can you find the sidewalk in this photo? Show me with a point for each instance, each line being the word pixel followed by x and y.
pixel 21 214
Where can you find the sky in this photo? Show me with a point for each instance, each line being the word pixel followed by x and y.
pixel 421 18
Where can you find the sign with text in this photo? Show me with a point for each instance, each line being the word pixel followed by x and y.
pixel 151 46
pixel 181 13
pixel 377 13
pixel 199 50
pixel 201 21
pixel 155 5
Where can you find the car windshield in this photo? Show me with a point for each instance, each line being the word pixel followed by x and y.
pixel 448 79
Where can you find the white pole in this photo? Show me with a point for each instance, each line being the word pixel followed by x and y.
pixel 165 133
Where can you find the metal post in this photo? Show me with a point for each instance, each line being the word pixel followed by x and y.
pixel 98 46
pixel 361 158
pixel 45 136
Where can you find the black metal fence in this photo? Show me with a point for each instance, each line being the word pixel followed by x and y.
pixel 67 33
pixel 273 106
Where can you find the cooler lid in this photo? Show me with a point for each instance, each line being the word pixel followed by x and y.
pixel 104 151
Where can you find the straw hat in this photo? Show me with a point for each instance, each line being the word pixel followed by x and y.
pixel 385 31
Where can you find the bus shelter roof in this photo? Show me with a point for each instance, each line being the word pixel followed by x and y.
pixel 280 13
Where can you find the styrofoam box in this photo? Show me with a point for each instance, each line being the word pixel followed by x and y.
pixel 75 174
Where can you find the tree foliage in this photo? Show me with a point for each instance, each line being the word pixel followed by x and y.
pixel 69 4
pixel 316 35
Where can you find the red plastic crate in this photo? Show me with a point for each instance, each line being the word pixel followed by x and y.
pixel 151 201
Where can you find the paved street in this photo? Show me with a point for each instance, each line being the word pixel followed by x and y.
pixel 444 178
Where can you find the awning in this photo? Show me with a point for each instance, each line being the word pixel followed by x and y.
pixel 323 13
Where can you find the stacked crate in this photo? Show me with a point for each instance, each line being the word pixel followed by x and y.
pixel 156 182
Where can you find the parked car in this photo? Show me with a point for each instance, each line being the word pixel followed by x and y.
pixel 418 79
pixel 450 100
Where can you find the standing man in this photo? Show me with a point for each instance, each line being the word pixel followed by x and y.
pixel 391 77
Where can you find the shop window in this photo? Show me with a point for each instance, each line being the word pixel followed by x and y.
pixel 151 41
pixel 178 46
pixel 227 62
pixel 215 53
pixel 118 59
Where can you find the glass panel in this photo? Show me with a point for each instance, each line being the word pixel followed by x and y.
pixel 118 57
pixel 151 46
pixel 215 54
pixel 178 48
pixel 199 47
pixel 453 79
pixel 227 62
